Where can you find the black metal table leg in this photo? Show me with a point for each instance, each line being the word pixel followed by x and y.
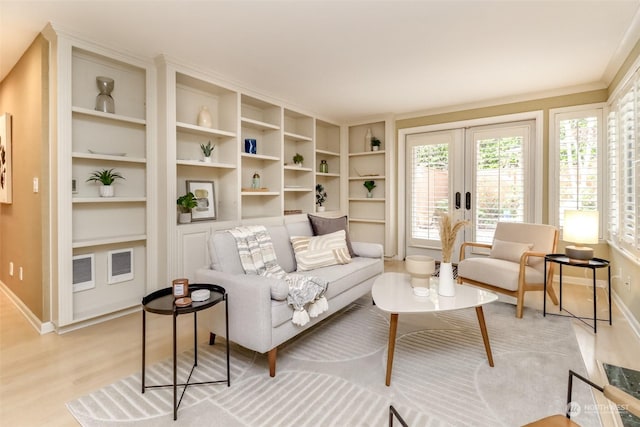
pixel 195 338
pixel 175 368
pixel 144 343
pixel 609 285
pixel 544 291
pixel 226 325
pixel 595 312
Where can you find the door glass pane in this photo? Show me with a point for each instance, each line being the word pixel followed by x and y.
pixel 499 179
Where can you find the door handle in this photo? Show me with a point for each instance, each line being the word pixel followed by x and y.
pixel 467 200
pixel 458 200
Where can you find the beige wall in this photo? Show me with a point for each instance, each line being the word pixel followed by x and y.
pixel 24 223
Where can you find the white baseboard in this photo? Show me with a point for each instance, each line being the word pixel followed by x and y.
pixel 40 326
pixel 95 320
pixel 633 322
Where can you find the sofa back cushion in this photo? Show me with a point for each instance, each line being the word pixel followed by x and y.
pixel 224 251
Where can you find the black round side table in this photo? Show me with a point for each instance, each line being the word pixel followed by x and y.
pixel 593 264
pixel 162 302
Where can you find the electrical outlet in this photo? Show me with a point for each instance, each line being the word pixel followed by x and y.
pixel 20 273
pixel 11 269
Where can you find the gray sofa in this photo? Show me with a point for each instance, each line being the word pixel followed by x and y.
pixel 261 323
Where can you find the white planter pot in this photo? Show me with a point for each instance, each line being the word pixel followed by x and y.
pixel 184 218
pixel 320 209
pixel 446 285
pixel 107 191
pixel 207 159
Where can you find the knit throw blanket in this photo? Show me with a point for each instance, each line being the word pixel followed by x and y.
pixel 306 293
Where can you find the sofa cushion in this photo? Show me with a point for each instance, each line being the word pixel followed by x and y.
pixel 509 251
pixel 313 252
pixel 322 225
pixel 498 271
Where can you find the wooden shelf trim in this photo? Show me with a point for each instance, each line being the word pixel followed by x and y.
pixel 85 243
pixel 199 130
pixel 109 116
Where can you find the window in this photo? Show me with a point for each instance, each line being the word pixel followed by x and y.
pixel 575 147
pixel 623 157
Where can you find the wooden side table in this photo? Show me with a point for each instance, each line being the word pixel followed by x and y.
pixel 163 302
pixel 593 264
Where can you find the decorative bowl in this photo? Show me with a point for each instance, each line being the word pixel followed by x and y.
pixel 420 267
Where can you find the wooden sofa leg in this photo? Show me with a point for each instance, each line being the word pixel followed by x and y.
pixel 271 357
pixel 212 338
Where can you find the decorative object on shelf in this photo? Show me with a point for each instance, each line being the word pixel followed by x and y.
pixel 420 268
pixel 250 146
pixel 580 227
pixel 106 153
pixel 321 197
pixel 205 199
pixel 324 167
pixel 207 150
pixel 448 233
pixel 6 195
pixel 106 177
pixel 200 295
pixel 367 139
pixel 370 185
pixel 375 144
pixel 180 288
pixel 298 159
pixel 104 101
pixel 204 117
pixel 255 181
pixel 186 203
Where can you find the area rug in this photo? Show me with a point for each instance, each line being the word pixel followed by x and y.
pixel 333 375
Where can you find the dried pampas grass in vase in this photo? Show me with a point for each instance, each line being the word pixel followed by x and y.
pixel 448 233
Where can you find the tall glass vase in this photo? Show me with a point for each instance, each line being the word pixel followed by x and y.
pixel 446 285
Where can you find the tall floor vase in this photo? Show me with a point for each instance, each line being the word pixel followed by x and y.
pixel 446 285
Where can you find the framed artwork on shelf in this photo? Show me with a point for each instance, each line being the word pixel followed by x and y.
pixel 120 266
pixel 6 195
pixel 206 199
pixel 84 276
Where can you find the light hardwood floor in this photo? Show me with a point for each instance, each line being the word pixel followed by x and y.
pixel 39 374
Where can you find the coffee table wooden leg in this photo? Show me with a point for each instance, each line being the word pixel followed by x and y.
pixel 485 336
pixel 393 327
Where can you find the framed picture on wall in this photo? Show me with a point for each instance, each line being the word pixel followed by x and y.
pixel 6 195
pixel 206 198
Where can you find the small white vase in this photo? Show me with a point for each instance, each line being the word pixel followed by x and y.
pixel 446 285
pixel 107 191
pixel 369 195
pixel 184 217
pixel 207 159
pixel 204 118
pixel 320 209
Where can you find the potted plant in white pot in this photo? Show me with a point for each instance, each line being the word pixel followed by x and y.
pixel 185 204
pixel 106 177
pixel 207 150
pixel 298 159
pixel 370 185
pixel 321 197
pixel 375 144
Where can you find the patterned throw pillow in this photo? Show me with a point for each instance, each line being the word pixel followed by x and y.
pixel 322 226
pixel 320 251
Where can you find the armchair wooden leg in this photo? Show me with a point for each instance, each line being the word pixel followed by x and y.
pixel 271 357
pixel 520 303
pixel 552 294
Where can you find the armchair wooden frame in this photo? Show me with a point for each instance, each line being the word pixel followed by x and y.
pixel 523 285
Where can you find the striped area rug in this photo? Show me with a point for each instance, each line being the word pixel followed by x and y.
pixel 333 375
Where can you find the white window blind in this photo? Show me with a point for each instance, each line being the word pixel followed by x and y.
pixel 577 136
pixel 623 160
pixel 429 189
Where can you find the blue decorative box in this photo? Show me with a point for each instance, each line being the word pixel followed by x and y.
pixel 250 146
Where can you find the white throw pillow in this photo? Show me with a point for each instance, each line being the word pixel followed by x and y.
pixel 510 251
pixel 320 251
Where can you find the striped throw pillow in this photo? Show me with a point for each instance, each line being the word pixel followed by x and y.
pixel 320 251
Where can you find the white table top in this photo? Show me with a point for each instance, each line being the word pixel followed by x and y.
pixel 392 292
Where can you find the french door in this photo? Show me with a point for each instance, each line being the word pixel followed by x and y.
pixel 483 174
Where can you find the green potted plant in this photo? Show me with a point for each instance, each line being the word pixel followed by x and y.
pixel 298 159
pixel 321 197
pixel 185 204
pixel 207 150
pixel 369 185
pixel 105 177
pixel 375 144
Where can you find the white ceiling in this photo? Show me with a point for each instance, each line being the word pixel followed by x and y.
pixel 348 60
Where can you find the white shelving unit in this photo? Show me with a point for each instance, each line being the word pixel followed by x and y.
pixel 86 141
pixel 370 218
pixel 328 148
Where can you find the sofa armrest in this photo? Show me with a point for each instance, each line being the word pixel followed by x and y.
pixel 368 250
pixel 249 299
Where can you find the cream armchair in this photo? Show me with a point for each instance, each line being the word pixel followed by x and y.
pixel 515 263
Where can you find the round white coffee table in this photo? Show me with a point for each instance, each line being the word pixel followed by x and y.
pixel 392 293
